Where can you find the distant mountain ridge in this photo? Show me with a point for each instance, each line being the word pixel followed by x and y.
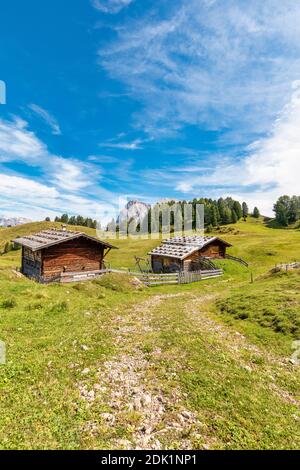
pixel 134 210
pixel 13 221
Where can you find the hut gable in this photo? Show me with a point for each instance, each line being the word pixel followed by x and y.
pixel 48 238
pixel 48 254
pixel 186 253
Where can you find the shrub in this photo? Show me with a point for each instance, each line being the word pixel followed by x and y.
pixel 8 303
pixel 59 307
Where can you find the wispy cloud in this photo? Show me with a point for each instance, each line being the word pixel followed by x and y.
pixel 207 64
pixel 111 6
pixel 47 117
pixel 134 145
pixel 64 184
pixel 19 143
pixel 270 169
pixel 73 175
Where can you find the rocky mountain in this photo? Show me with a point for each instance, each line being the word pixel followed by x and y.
pixel 134 210
pixel 13 221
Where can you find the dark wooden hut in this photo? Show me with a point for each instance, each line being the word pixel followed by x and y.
pixel 55 255
pixel 187 253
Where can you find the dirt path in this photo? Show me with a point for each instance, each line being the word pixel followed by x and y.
pixel 144 402
pixel 129 385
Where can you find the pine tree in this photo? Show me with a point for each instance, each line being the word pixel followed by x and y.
pixel 227 218
pixel 214 216
pixel 64 218
pixel 256 213
pixel 234 217
pixel 245 211
pixel 222 210
pixel 80 220
pixel 237 209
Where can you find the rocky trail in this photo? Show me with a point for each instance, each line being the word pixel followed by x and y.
pixel 148 405
pixel 129 386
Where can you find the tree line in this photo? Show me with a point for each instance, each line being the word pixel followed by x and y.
pixel 287 210
pixel 75 220
pixel 216 213
pixel 219 212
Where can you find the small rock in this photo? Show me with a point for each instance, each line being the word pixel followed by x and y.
pixel 84 347
pixel 247 368
pixel 146 400
pixel 109 418
pixel 91 395
pixel 99 387
pixel 137 404
pixel 85 371
pixel 187 414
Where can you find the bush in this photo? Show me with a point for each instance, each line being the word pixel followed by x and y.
pixel 8 303
pixel 59 307
pixel 275 312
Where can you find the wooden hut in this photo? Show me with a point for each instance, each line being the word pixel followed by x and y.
pixel 187 253
pixel 57 255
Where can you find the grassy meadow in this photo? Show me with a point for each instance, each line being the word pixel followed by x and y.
pixel 112 364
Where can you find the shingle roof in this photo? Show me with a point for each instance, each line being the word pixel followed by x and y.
pixel 194 240
pixel 174 251
pixel 51 237
pixel 182 247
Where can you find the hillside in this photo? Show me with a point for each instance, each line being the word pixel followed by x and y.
pixel 108 364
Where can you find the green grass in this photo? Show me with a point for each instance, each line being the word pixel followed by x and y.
pixel 226 384
pixel 244 391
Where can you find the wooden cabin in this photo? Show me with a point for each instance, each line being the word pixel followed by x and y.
pixel 187 253
pixel 54 255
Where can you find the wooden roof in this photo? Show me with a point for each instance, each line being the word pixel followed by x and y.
pixel 182 247
pixel 174 251
pixel 194 240
pixel 51 237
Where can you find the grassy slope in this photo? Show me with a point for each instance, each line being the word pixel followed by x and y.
pixel 244 394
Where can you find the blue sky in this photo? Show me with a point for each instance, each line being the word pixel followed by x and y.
pixel 150 99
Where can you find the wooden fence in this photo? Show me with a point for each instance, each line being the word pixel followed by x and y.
pixel 183 277
pixel 238 260
pixel 287 267
pixel 150 279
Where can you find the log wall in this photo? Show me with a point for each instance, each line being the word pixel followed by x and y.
pixel 78 255
pixel 31 264
pixel 215 250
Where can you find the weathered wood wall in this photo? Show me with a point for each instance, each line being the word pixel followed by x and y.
pixel 216 249
pixel 31 264
pixel 165 264
pixel 78 255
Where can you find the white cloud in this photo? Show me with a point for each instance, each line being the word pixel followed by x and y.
pixel 270 170
pixel 111 6
pixel 17 187
pixel 47 117
pixel 18 143
pixel 65 184
pixel 208 64
pixel 134 145
pixel 72 175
